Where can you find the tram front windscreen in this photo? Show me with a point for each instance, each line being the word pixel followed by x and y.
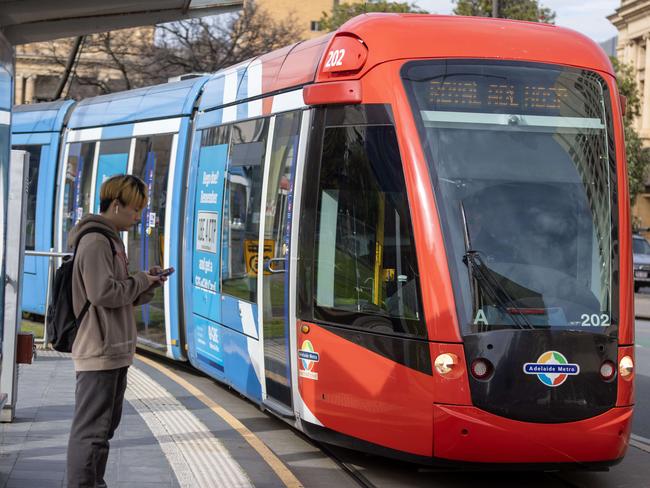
pixel 522 162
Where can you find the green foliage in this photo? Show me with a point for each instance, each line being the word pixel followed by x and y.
pixel 637 156
pixel 343 12
pixel 627 87
pixel 508 9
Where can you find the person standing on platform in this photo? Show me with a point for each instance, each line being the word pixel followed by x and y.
pixel 106 338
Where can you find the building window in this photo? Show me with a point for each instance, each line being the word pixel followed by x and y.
pixel 315 26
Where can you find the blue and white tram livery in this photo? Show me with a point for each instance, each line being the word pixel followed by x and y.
pixel 37 130
pixel 144 132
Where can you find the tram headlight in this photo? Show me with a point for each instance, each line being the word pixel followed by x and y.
pixel 626 367
pixel 607 370
pixel 445 363
pixel 481 368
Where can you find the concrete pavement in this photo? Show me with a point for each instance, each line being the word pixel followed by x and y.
pixel 642 305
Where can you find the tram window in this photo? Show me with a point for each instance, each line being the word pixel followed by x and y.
pixel 113 160
pixel 32 193
pixel 78 178
pixel 146 241
pixel 241 213
pixel 365 266
pixel 524 167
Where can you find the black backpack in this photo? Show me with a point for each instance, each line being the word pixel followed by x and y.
pixel 62 324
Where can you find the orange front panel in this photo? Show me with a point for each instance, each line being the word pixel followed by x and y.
pixel 625 386
pixel 473 435
pixel 453 388
pixel 437 293
pixel 364 395
pixel 626 290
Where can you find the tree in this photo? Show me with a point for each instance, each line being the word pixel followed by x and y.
pixel 210 44
pixel 637 156
pixel 507 9
pixel 342 12
pixel 121 60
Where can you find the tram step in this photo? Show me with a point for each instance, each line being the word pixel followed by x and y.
pixel 278 409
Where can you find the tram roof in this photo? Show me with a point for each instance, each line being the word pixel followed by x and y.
pixel 408 36
pixel 155 102
pixel 40 117
pixel 276 71
pixel 452 36
pixel 420 37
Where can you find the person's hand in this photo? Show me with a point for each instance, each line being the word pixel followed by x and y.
pixel 154 279
pixel 157 271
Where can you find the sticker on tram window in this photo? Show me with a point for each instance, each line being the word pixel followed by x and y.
pixel 206 232
pixel 595 320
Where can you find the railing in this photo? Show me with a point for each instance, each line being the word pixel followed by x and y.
pixel 52 257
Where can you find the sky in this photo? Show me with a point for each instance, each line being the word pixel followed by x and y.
pixel 586 16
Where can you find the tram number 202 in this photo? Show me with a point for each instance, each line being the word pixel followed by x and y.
pixel 335 58
pixel 595 320
pixel 206 232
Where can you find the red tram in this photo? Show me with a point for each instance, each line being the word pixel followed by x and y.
pixel 463 282
pixel 440 209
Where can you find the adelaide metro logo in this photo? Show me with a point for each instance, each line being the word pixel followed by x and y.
pixel 308 357
pixel 552 368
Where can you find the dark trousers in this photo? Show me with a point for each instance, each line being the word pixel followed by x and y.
pixel 98 409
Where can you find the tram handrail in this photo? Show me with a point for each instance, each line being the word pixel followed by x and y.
pixel 52 255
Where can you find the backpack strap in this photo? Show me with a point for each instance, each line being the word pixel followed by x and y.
pixel 110 241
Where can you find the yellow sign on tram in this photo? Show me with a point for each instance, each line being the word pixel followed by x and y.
pixel 251 255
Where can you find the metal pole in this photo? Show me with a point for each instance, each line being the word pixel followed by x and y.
pixel 50 272
pixel 495 8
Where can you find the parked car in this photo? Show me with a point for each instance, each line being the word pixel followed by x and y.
pixel 641 250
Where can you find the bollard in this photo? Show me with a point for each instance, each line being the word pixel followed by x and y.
pixel 25 348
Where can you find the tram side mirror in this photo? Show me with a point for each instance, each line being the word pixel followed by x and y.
pixel 332 93
pixel 623 104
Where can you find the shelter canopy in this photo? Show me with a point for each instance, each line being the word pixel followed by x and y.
pixel 23 21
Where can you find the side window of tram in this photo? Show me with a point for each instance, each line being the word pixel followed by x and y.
pixel 147 238
pixel 78 179
pixel 113 159
pixel 241 210
pixel 32 193
pixel 365 262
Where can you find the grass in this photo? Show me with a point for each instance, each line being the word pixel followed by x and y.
pixel 32 325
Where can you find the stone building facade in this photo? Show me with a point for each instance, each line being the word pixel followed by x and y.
pixel 632 19
pixel 40 65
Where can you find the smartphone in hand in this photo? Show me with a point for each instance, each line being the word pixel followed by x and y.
pixel 166 272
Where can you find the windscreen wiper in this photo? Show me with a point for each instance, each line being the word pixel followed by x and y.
pixel 483 277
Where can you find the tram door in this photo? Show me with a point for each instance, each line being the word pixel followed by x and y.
pixel 146 241
pixel 273 302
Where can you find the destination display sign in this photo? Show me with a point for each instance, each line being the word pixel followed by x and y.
pixel 473 94
pixel 500 88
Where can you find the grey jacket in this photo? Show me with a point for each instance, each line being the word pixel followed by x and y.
pixel 106 337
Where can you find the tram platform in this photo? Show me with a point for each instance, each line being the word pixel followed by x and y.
pixel 178 429
pixel 642 305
